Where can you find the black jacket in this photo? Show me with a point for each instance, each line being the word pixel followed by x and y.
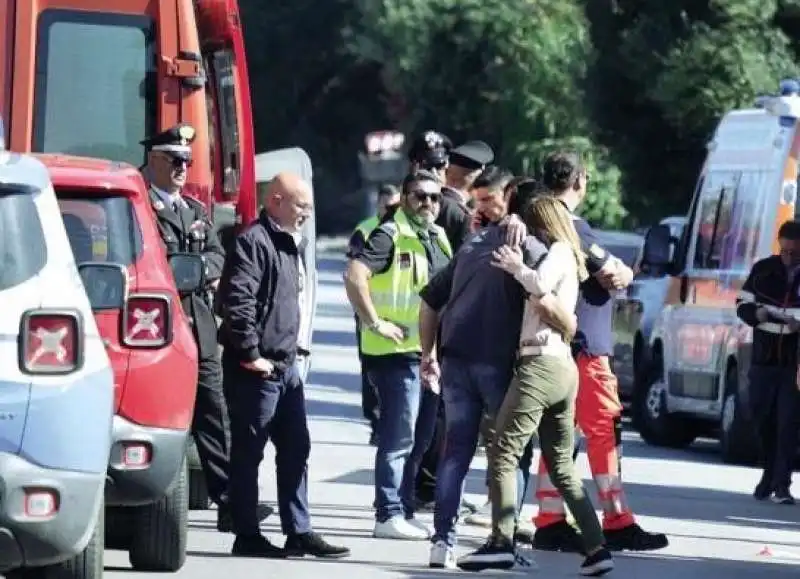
pixel 454 217
pixel 190 230
pixel 768 285
pixel 259 295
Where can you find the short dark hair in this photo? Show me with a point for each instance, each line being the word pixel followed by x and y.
pixel 561 169
pixel 790 230
pixel 524 191
pixel 493 177
pixel 387 190
pixel 418 176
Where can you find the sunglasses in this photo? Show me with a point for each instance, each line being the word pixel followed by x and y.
pixel 177 162
pixel 425 196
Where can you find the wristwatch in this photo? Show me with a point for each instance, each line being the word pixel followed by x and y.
pixel 375 325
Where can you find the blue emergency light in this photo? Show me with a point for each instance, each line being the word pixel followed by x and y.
pixel 789 87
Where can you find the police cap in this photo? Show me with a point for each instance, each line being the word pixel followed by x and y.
pixel 175 141
pixel 472 155
pixel 430 149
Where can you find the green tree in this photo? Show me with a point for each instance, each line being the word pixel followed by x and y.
pixel 509 72
pixel 664 74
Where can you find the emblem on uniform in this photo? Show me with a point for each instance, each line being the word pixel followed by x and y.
pixel 198 229
pixel 596 251
pixel 404 260
pixel 158 206
pixel 186 134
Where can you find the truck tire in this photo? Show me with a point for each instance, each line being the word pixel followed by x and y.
pixel 649 412
pixel 736 434
pixel 159 540
pixel 88 564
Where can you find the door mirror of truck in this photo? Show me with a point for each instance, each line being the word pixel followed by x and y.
pixel 189 270
pixel 658 248
pixel 106 284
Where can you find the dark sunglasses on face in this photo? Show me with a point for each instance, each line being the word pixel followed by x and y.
pixel 178 163
pixel 425 196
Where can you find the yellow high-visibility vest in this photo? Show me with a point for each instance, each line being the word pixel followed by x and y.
pixel 395 292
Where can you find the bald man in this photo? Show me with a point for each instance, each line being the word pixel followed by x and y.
pixel 261 321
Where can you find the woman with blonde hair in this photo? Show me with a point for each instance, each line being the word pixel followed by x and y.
pixel 542 395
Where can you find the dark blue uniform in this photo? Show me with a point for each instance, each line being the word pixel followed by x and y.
pixel 261 319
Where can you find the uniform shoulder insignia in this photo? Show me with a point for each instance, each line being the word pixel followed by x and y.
pixel 596 251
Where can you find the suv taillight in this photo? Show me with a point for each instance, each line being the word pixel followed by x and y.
pixel 146 321
pixel 51 342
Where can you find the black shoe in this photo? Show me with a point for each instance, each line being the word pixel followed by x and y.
pixel 373 438
pixel 782 497
pixel 494 554
pixel 763 490
pixel 560 536
pixel 634 538
pixel 314 545
pixel 598 564
pixel 256 546
pixel 225 520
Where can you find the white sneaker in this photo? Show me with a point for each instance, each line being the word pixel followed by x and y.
pixel 398 528
pixel 442 556
pixel 481 518
pixel 420 525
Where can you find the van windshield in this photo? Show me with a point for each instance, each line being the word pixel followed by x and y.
pixel 95 91
pixel 103 229
pixel 23 251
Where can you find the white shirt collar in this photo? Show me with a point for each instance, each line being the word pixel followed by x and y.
pixel 297 236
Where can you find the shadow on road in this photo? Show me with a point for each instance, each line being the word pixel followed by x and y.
pixel 668 502
pixel 638 567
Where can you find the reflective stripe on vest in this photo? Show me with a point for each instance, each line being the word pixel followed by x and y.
pixel 367 226
pixel 395 292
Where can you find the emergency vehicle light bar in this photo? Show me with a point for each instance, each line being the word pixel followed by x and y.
pixel 786 104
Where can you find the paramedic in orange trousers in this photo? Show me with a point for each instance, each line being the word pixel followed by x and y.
pixel 598 408
pixel 770 292
pixel 259 298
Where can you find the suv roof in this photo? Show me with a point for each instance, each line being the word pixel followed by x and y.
pixel 92 176
pixel 16 169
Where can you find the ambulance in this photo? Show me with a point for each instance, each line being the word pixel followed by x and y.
pixel 696 382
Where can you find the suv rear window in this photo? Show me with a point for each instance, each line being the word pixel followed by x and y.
pixel 95 92
pixel 23 251
pixel 101 229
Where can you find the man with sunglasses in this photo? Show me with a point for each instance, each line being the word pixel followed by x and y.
pixel 185 226
pixel 383 281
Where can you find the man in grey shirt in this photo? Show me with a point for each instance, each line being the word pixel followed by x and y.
pixel 480 311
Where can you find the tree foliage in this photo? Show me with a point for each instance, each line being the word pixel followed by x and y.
pixel 636 85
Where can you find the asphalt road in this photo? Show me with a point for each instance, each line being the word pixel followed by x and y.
pixel 716 529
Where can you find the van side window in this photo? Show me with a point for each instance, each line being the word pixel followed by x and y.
pixel 740 243
pixel 95 93
pixel 222 72
pixel 714 218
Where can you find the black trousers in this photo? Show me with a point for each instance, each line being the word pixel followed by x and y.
pixel 265 409
pixel 210 429
pixel 775 405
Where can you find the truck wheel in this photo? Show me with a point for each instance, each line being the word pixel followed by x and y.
pixel 159 540
pixel 198 492
pixel 88 564
pixel 737 436
pixel 649 408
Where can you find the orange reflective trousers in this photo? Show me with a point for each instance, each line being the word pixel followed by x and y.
pixel 596 409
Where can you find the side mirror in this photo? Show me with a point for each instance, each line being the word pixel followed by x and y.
pixel 658 246
pixel 106 284
pixel 189 270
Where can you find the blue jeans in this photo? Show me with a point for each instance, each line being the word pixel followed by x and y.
pixel 468 391
pixel 405 429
